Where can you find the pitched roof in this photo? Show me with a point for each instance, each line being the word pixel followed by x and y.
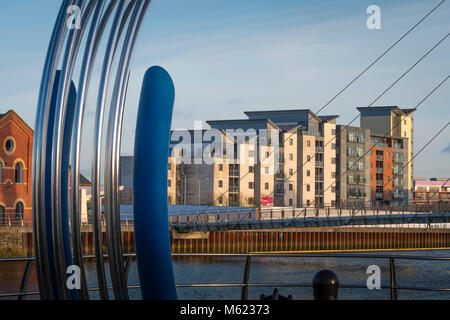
pixel 15 113
pixel 84 181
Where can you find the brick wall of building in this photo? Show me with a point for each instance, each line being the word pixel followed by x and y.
pixel 16 146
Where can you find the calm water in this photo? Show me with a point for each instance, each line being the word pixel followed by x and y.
pixel 435 274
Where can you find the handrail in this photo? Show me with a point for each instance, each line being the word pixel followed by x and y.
pixel 246 284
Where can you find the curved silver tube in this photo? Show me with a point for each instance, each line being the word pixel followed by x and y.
pixel 73 45
pixel 111 180
pixel 92 44
pixel 121 15
pixel 112 142
pixel 39 143
pixel 49 148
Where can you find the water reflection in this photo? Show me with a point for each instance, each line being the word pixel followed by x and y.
pixel 190 270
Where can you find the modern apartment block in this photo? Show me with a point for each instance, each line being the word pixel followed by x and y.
pixel 395 127
pixel 353 164
pixel 278 155
pixel 434 190
pixel 295 158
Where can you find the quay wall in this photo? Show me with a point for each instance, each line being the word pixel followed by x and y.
pixel 18 241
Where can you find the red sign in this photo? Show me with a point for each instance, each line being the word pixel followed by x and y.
pixel 266 202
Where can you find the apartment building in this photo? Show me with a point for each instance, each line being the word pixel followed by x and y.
pixel 391 121
pixel 299 169
pixel 293 158
pixel 434 190
pixel 353 164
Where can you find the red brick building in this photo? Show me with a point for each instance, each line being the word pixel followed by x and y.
pixel 16 151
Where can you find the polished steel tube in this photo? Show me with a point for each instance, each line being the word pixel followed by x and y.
pixel 70 55
pixel 92 43
pixel 110 51
pixel 39 144
pixel 111 175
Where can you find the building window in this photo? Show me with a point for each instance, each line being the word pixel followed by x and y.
pixel 333 160
pixel 308 173
pixel 291 187
pixel 308 203
pixel 387 154
pixel 250 169
pixel 250 153
pixel 404 133
pixel 291 142
pixel 387 179
pixel 2 213
pixel 308 187
pixel 388 166
pixel 1 172
pixel 19 210
pixel 250 185
pixel 169 166
pixel 169 183
pixel 308 158
pixel 220 184
pixel 266 186
pixel 266 170
pixel 404 121
pixel 291 156
pixel 333 132
pixel 9 145
pixel 291 172
pixel 19 173
pixel 267 154
pixel 333 175
pixel 333 189
pixel 308 143
pixel 220 167
pixel 169 199
pixel 333 146
pixel 291 202
pixel 220 200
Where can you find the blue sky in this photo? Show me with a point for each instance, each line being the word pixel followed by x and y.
pixel 226 57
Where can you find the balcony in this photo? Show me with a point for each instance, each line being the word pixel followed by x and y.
pixel 319 149
pixel 379 157
pixel 379 170
pixel 397 171
pixel 234 173
pixel 398 183
pixel 319 177
pixel 379 182
pixel 319 163
pixel 233 189
pixel 280 176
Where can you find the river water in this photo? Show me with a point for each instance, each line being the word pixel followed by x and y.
pixel 301 270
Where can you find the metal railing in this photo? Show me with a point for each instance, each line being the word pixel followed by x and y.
pixel 245 284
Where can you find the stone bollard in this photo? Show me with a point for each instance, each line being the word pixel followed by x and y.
pixel 325 285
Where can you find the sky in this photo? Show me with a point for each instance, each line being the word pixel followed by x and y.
pixel 226 57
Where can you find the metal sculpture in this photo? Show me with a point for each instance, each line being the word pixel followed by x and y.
pixel 58 132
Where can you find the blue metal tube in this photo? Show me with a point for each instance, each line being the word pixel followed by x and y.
pixel 150 186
